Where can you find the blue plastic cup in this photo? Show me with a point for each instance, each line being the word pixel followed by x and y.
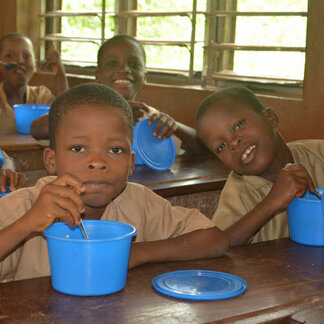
pixel 306 220
pixel 89 267
pixel 26 114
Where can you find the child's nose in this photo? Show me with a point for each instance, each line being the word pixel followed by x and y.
pixel 97 163
pixel 125 68
pixel 235 142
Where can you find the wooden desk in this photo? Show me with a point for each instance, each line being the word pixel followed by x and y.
pixel 285 280
pixel 24 149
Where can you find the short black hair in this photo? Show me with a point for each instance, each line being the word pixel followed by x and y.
pixel 11 35
pixel 86 93
pixel 239 94
pixel 116 38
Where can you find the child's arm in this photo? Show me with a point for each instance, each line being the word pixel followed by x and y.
pixel 188 136
pixel 9 176
pixel 292 181
pixel 199 244
pixel 58 199
pixel 54 63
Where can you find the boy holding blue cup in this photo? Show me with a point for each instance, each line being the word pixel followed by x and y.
pixel 266 172
pixel 91 129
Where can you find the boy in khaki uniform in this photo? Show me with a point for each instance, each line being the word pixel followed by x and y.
pixel 91 138
pixel 266 172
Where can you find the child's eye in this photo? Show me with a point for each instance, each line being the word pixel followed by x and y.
pixel 135 65
pixel 27 56
pixel 239 124
pixel 116 150
pixel 220 148
pixel 10 55
pixel 78 148
pixel 111 64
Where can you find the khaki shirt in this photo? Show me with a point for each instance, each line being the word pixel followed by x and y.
pixel 152 216
pixel 34 95
pixel 242 193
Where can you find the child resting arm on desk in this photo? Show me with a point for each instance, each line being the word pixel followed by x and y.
pixel 91 129
pixel 8 174
pixel 121 65
pixel 17 66
pixel 266 172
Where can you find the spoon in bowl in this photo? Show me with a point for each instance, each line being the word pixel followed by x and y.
pixel 320 196
pixel 9 65
pixel 83 230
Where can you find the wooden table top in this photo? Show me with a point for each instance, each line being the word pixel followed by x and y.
pixel 285 281
pixel 18 142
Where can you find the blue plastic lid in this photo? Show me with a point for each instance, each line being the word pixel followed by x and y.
pixel 1 158
pixel 5 193
pixel 157 154
pixel 199 284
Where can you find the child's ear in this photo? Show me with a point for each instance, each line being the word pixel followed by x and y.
pixel 50 160
pixel 132 165
pixel 272 117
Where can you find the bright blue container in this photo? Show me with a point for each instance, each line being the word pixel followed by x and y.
pixel 89 267
pixel 26 114
pixel 157 154
pixel 306 220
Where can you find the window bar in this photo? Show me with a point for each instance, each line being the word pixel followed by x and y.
pixel 103 20
pixel 193 36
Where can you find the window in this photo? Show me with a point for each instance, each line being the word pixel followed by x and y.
pixel 208 40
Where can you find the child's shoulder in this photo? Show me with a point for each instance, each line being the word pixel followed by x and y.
pixel 307 146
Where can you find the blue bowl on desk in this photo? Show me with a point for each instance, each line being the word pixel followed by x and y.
pixel 306 220
pixel 89 267
pixel 26 114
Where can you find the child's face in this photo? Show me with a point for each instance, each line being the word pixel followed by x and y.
pixel 244 140
pixel 19 50
pixel 122 67
pixel 93 144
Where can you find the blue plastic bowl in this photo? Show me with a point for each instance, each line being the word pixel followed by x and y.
pixel 97 266
pixel 306 220
pixel 157 154
pixel 26 114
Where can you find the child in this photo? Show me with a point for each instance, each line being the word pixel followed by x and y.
pixel 8 174
pixel 17 50
pixel 266 172
pixel 121 65
pixel 90 152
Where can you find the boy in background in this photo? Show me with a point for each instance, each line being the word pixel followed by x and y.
pixel 91 129
pixel 17 68
pixel 121 64
pixel 266 172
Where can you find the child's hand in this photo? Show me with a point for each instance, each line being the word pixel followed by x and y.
pixel 165 120
pixel 58 199
pixel 292 181
pixel 53 61
pixel 11 178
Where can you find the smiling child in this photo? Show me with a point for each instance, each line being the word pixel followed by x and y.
pixel 266 172
pixel 121 64
pixel 91 131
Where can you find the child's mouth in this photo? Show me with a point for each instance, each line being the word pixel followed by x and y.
pixel 95 186
pixel 248 154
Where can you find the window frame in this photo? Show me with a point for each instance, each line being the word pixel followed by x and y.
pixel 218 55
